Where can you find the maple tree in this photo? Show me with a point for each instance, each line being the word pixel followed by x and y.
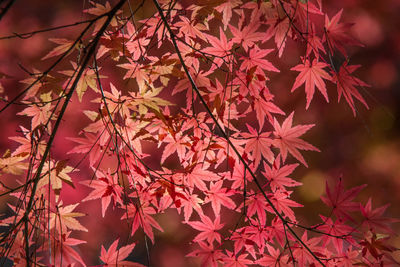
pixel 226 151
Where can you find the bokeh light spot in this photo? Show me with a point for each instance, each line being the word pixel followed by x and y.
pixel 313 186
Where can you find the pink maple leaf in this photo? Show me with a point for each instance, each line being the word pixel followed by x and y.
pixel 220 47
pixel 346 85
pixel 275 258
pixel 241 260
pixel 208 229
pixel 287 139
pixel 259 145
pixel 115 257
pixel 105 187
pixel 256 58
pixel 208 254
pixel 142 218
pixel 218 196
pixel 312 74
pixel 278 176
pixel 247 36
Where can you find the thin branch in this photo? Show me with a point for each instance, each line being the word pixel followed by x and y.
pixel 27 35
pixel 6 8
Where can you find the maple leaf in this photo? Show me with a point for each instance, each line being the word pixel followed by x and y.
pixel 105 187
pixel 142 218
pixel 115 257
pixel 348 258
pixel 147 99
pixel 191 203
pixel 208 254
pixel 239 175
pixel 240 237
pixel 177 144
pixel 26 142
pixel 226 10
pixel 303 256
pixel 190 29
pixel 255 58
pixel 264 107
pixel 281 30
pixel 376 246
pixel 258 145
pixel 283 204
pixel 135 42
pixel 275 258
pixel 259 235
pixel 340 200
pixel 337 34
pixel 66 217
pixel 314 43
pixel 302 10
pixel 208 229
pixel 312 74
pixel 373 218
pixel 257 204
pixel 12 164
pixel 287 139
pixel 99 10
pixel 339 232
pixel 198 176
pixel 218 196
pixel 63 46
pixel 219 48
pixel 136 71
pixel 231 260
pixel 63 246
pixel 346 85
pixel 48 84
pixel 40 114
pixel 88 79
pixel 56 174
pixel 88 144
pixel 278 176
pixel 247 36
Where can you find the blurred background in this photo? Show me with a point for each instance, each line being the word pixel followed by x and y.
pixel 363 150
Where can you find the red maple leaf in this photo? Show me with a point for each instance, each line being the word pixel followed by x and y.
pixel 341 200
pixel 142 218
pixel 312 74
pixel 337 34
pixel 247 36
pixel 275 258
pixel 346 85
pixel 256 58
pixel 264 106
pixel 287 139
pixel 220 47
pixel 105 187
pixel 373 218
pixel 89 144
pixel 241 260
pixel 258 145
pixel 208 254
